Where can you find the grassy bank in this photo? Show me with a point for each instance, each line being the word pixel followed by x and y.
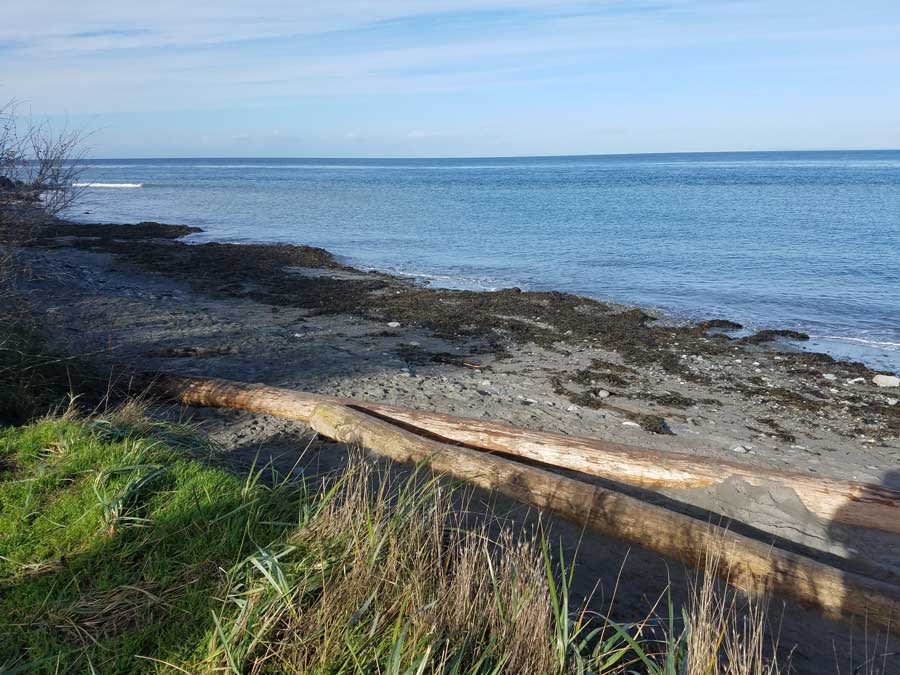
pixel 121 552
pixel 124 548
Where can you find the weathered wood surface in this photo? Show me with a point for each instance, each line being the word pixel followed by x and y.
pixel 849 502
pixel 745 563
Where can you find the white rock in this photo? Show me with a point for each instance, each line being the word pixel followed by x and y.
pixel 856 380
pixel 740 449
pixel 572 408
pixel 892 401
pixel 603 394
pixel 886 380
pixel 485 383
pixel 393 324
pixel 830 376
pixel 630 424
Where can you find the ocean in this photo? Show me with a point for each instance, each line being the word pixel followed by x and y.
pixel 808 241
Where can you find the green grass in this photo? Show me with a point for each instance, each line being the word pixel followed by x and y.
pixel 112 546
pixel 124 548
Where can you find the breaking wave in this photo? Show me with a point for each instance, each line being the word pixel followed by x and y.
pixel 108 185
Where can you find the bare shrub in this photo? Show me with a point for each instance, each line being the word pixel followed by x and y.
pixel 39 170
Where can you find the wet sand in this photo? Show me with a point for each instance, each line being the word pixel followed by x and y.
pixel 138 299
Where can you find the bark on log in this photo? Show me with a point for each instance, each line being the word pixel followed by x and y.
pixel 848 502
pixel 746 564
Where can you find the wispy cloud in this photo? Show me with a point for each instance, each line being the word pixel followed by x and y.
pixel 109 56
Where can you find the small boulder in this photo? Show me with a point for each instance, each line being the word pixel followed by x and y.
pixel 886 380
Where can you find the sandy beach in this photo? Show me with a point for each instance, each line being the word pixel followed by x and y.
pixel 136 299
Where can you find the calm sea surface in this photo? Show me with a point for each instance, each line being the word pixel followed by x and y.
pixel 802 240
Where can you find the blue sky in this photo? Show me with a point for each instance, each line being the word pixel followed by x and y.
pixel 457 78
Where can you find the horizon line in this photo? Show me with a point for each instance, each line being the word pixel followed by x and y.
pixel 455 157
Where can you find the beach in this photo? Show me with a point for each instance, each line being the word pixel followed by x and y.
pixel 138 300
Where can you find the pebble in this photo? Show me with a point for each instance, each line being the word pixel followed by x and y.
pixel 740 449
pixel 830 376
pixel 393 324
pixel 886 380
pixel 603 394
pixel 572 408
pixel 485 383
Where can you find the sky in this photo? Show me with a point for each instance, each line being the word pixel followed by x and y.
pixel 420 78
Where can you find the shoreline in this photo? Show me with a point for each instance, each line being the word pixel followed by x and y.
pixel 316 281
pixel 878 355
pixel 136 299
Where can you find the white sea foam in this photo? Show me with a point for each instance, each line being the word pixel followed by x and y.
pixel 108 185
pixel 891 346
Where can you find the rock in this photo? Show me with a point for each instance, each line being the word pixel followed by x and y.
pixel 830 376
pixel 630 424
pixel 740 449
pixel 572 408
pixel 886 380
pixel 602 393
pixel 393 324
pixel 892 401
pixel 856 380
pixel 485 383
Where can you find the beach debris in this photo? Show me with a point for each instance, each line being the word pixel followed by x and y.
pixel 860 504
pixel 393 324
pixel 886 380
pixel 750 565
pixel 193 352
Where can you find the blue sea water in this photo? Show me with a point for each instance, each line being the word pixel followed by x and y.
pixel 801 240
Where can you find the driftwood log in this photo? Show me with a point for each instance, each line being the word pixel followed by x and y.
pixel 745 563
pixel 848 502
